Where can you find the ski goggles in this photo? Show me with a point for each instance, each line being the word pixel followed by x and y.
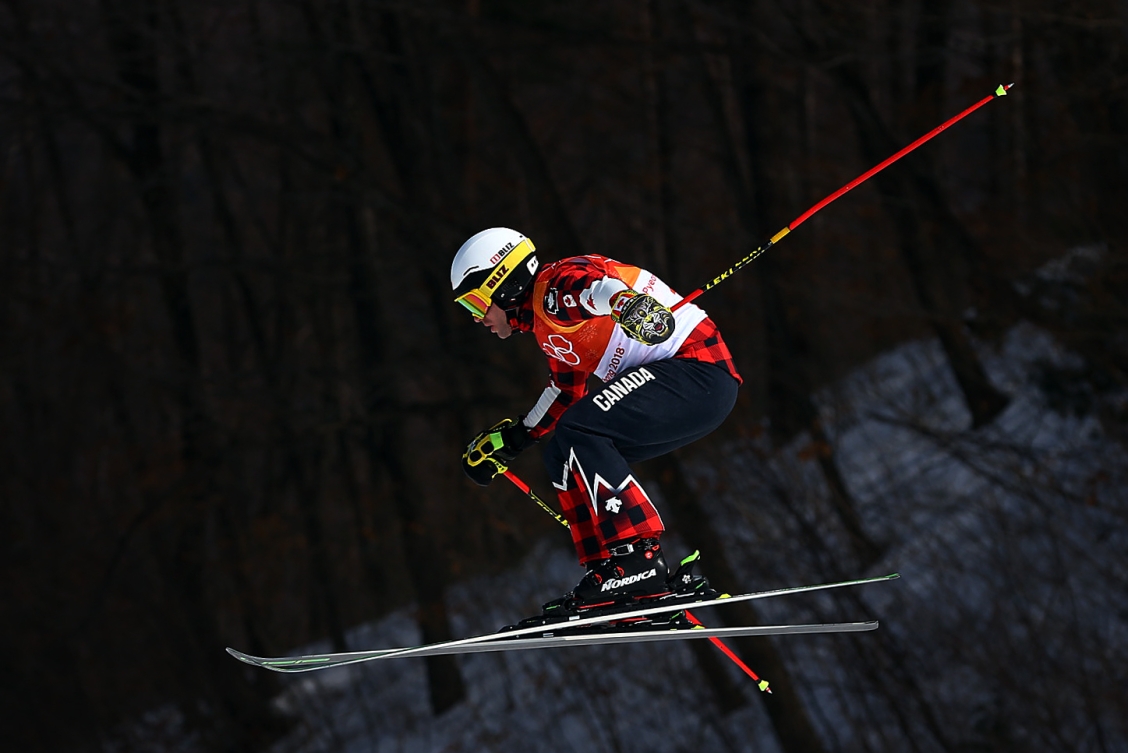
pixel 503 283
pixel 476 303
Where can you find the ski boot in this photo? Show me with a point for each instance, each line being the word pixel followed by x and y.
pixel 634 576
pixel 634 571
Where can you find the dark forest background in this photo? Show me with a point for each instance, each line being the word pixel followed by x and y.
pixel 234 387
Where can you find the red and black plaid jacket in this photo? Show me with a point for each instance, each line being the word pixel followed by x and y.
pixel 562 312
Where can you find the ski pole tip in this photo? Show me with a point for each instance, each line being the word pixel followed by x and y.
pixel 764 687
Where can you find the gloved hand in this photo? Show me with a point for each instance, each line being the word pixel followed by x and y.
pixel 491 452
pixel 642 317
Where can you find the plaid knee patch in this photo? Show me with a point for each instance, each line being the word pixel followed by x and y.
pixel 626 514
pixel 606 515
pixel 585 537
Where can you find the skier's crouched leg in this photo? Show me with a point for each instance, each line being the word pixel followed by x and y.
pixel 572 495
pixel 575 448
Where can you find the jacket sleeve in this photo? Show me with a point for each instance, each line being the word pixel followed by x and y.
pixel 565 387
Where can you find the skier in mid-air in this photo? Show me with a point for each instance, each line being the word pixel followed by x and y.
pixel 670 380
pixel 669 376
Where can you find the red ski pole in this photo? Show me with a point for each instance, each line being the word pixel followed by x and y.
pixel 760 683
pixel 999 92
pixel 533 496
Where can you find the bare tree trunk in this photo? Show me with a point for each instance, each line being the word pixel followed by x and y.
pixel 933 242
pixel 657 62
pixel 426 555
pixel 425 566
pixel 134 32
pixel 546 203
pixel 785 708
pixel 790 405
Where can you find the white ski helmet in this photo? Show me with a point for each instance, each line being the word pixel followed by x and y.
pixel 495 265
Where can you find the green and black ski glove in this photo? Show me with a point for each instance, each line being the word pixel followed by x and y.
pixel 491 452
pixel 642 317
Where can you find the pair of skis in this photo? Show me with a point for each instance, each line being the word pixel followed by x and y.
pixel 561 634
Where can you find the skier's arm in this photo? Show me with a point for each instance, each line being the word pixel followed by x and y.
pixel 491 452
pixel 565 387
pixel 640 315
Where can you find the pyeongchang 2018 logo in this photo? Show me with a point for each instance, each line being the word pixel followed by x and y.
pixel 560 348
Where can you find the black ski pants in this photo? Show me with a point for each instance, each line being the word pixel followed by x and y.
pixel 643 413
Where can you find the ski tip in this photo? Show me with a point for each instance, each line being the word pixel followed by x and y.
pixel 892 576
pixel 245 658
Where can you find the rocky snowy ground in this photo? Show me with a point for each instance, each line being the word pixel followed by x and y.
pixel 1007 630
pixel 582 699
pixel 978 521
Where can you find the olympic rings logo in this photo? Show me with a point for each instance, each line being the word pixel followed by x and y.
pixel 560 348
